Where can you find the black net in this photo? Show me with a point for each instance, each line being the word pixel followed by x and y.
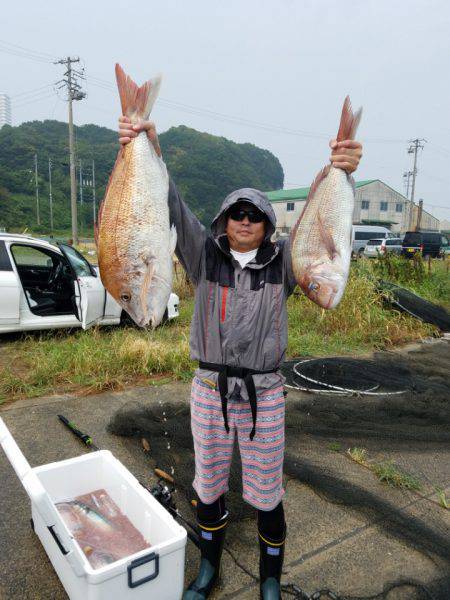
pixel 407 301
pixel 409 424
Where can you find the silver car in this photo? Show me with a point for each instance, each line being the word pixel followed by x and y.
pixel 381 247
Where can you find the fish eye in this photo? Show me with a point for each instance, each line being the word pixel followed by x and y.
pixel 313 286
pixel 125 297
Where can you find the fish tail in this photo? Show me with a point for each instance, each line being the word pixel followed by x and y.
pixel 349 122
pixel 137 102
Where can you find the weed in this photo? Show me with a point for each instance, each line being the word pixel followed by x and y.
pixel 113 357
pixel 335 446
pixel 393 476
pixel 442 498
pixel 358 455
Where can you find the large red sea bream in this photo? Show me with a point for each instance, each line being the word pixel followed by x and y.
pixel 134 240
pixel 321 238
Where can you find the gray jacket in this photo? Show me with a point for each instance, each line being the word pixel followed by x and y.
pixel 240 316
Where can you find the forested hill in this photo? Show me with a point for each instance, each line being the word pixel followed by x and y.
pixel 205 167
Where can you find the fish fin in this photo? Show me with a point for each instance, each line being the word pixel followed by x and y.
pixel 137 102
pixel 349 122
pixel 173 239
pixel 312 190
pixel 327 239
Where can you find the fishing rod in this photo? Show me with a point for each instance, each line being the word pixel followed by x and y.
pixel 162 491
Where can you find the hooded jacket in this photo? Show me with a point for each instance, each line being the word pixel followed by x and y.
pixel 240 316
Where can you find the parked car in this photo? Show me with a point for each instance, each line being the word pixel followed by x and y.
pixel 47 286
pixel 361 234
pixel 383 246
pixel 427 243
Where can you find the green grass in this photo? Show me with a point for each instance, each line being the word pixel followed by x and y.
pixel 389 473
pixel 114 357
pixel 358 455
pixel 386 471
pixel 335 446
pixel 442 498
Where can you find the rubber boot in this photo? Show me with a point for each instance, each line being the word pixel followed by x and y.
pixel 212 537
pixel 270 565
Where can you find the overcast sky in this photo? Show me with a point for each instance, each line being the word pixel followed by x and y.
pixel 270 72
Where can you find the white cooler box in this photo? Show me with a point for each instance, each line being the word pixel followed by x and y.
pixel 156 573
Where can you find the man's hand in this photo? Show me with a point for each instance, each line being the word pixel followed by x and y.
pixel 346 155
pixel 127 132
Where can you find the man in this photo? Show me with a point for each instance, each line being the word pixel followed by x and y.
pixel 239 338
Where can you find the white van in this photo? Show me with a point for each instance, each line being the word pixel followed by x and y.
pixel 361 234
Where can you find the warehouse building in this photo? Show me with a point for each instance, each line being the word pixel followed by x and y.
pixel 376 203
pixel 5 110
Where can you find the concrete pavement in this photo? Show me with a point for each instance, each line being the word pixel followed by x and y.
pixel 329 544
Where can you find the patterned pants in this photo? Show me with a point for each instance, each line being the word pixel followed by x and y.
pixel 262 457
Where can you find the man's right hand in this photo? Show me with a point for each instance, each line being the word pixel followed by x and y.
pixel 127 132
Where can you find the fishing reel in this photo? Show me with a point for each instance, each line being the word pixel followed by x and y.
pixel 163 490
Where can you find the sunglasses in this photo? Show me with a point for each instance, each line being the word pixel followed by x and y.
pixel 239 214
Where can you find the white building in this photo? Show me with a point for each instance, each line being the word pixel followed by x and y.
pixel 375 204
pixel 5 110
pixel 445 225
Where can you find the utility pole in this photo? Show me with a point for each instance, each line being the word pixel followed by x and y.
pixel 413 149
pixel 419 215
pixel 80 167
pixel 36 185
pixel 50 198
pixel 93 190
pixel 406 179
pixel 74 92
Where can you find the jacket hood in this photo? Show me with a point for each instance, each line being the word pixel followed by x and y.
pixel 255 197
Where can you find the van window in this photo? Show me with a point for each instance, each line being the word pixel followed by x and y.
pixel 412 238
pixel 374 242
pixel 368 235
pixel 431 238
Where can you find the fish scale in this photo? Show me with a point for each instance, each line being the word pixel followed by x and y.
pixel 135 241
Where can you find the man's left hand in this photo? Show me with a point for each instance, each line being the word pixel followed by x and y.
pixel 346 155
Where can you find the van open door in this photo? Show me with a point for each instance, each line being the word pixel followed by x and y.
pixel 10 297
pixel 89 293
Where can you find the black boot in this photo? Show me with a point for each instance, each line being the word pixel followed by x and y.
pixel 212 537
pixel 270 565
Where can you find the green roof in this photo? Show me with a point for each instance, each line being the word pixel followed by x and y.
pixel 302 193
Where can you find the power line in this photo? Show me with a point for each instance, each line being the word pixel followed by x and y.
pixel 36 52
pixel 23 55
pixel 222 117
pixel 31 92
pixel 34 100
